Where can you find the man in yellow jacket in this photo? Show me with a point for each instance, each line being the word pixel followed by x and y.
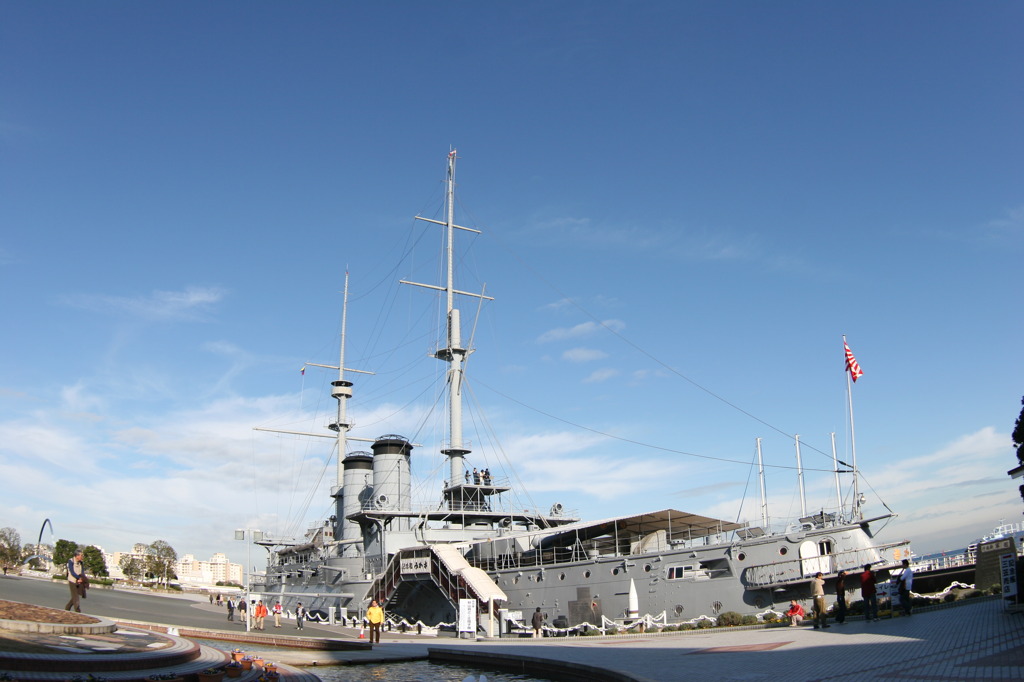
pixel 375 615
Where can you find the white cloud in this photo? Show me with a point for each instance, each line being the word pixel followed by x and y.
pixel 1010 226
pixel 159 305
pixel 559 462
pixel 581 330
pixel 597 376
pixel 583 355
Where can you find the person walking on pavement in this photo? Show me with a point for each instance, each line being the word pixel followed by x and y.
pixel 300 615
pixel 243 610
pixel 818 590
pixel 538 623
pixel 278 609
pixel 231 608
pixel 375 614
pixel 841 597
pixel 870 594
pixel 906 583
pixel 76 579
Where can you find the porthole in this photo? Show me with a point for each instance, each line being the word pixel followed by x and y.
pixel 679 609
pixel 783 551
pixel 647 568
pixel 561 576
pixel 741 556
pixel 615 571
pixel 586 574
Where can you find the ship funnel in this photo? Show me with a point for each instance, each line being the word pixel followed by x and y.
pixel 392 485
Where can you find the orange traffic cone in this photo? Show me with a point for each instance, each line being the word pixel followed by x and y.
pixel 362 633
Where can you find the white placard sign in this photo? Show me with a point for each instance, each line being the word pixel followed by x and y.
pixel 415 565
pixel 1008 574
pixel 467 615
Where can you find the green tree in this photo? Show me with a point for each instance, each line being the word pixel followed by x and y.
pixel 62 551
pixel 131 567
pixel 94 562
pixel 10 548
pixel 160 558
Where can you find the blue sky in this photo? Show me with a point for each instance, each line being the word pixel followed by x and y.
pixel 684 207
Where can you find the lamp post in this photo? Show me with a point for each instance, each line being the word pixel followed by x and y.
pixel 254 536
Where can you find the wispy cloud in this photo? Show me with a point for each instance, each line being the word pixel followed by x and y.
pixel 1007 228
pixel 677 242
pixel 579 470
pixel 600 375
pixel 581 330
pixel 159 305
pixel 583 355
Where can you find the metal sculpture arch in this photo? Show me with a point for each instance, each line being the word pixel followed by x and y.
pixel 39 543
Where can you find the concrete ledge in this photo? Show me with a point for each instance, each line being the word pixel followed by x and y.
pixel 291 642
pixel 533 665
pixel 101 626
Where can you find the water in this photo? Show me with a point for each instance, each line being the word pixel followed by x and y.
pixel 414 671
pixel 417 671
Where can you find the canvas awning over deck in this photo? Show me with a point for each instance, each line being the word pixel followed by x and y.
pixel 678 525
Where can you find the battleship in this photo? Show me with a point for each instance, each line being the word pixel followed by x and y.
pixel 474 546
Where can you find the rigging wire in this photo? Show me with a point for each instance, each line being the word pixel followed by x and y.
pixel 648 354
pixel 641 443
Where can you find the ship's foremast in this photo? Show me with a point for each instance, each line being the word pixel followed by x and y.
pixel 453 352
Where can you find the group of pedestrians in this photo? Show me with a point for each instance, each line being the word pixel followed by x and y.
pixel 868 592
pixel 259 612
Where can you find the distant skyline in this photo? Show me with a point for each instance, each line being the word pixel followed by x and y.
pixel 683 208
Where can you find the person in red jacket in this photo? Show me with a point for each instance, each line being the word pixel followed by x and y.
pixel 795 613
pixel 260 613
pixel 870 593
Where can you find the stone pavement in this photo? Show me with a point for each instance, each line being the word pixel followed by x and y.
pixel 972 641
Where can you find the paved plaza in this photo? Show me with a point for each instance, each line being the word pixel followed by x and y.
pixel 976 640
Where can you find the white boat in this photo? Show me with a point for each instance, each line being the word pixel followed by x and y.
pixel 665 566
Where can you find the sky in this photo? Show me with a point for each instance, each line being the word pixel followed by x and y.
pixel 683 208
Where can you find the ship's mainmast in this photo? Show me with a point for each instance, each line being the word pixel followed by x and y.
pixel 453 353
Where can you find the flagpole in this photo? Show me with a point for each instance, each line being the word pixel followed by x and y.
pixel 853 441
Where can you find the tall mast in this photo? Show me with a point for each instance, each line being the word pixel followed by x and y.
pixel 453 353
pixel 835 468
pixel 857 513
pixel 342 391
pixel 800 476
pixel 764 496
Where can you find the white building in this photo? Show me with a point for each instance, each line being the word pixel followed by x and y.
pixel 188 569
pixel 207 573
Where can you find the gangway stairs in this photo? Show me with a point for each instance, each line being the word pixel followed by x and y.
pixel 440 566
